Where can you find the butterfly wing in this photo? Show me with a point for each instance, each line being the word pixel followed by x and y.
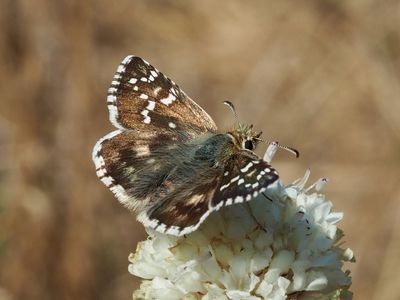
pixel 243 180
pixel 158 162
pixel 142 98
pixel 183 210
pixel 152 115
pixel 132 163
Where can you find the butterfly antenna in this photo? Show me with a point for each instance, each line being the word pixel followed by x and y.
pixel 290 149
pixel 271 150
pixel 275 145
pixel 232 107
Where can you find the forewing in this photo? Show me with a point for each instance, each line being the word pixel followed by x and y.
pixel 243 179
pixel 142 98
pixel 182 210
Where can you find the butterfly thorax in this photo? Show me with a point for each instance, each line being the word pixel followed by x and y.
pixel 215 149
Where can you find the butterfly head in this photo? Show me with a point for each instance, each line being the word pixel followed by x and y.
pixel 245 137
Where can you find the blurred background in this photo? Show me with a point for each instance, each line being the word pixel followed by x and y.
pixel 321 76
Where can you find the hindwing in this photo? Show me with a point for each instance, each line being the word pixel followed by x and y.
pixel 183 209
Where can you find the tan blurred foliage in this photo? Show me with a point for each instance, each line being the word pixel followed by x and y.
pixel 322 76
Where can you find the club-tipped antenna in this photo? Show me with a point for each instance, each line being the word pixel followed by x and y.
pixel 232 107
pixel 290 149
pixel 273 146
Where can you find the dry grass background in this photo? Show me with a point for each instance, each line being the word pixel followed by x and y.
pixel 322 76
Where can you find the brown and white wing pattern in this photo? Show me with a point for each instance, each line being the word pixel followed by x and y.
pixel 152 115
pixel 185 209
pixel 244 179
pixel 132 164
pixel 142 98
pixel 166 160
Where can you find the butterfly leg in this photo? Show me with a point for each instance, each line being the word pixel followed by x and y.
pixel 249 210
pixel 267 197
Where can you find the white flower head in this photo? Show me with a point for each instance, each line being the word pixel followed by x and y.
pixel 282 245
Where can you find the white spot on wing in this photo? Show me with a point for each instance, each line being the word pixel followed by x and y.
pixel 112 90
pixel 121 69
pixel 142 217
pixel 235 179
pixel 151 105
pixel 107 180
pixel 147 119
pixel 125 61
pixel 101 172
pixel 175 230
pixel 224 186
pixel 161 228
pixel 132 80
pixel 154 73
pixel 111 98
pixel 143 96
pixel 157 90
pixel 219 205
pixel 167 101
pixel 171 125
pixel 239 199
pixel 246 168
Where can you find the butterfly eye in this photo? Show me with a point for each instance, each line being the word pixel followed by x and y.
pixel 249 145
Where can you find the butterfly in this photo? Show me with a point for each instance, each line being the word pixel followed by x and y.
pixel 167 161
